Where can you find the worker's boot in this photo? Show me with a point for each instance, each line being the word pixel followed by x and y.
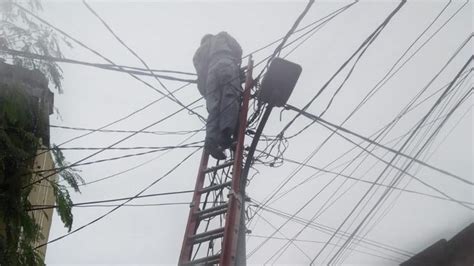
pixel 227 138
pixel 215 150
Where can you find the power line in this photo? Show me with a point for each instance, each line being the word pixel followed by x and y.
pixel 83 45
pixel 339 128
pixel 125 202
pixel 269 223
pixel 110 146
pixel 409 164
pixel 117 68
pixel 366 43
pixel 394 157
pixel 134 167
pixel 180 132
pixel 316 28
pixel 387 175
pixel 281 250
pixel 335 131
pixel 371 36
pixel 43 207
pixel 394 182
pixel 389 75
pixel 169 95
pixel 301 29
pixel 148 105
pixel 115 121
pixel 341 234
pixel 186 146
pixel 278 49
pixel 432 153
pixel 366 181
pixel 388 209
pixel 408 109
pixel 160 148
pixel 321 242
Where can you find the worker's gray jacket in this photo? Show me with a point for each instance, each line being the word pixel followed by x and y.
pixel 217 64
pixel 217 47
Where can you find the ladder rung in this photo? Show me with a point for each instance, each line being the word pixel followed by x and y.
pixel 214 211
pixel 215 187
pixel 206 236
pixel 214 259
pixel 217 167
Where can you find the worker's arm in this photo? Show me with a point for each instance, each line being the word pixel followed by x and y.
pixel 234 46
pixel 200 64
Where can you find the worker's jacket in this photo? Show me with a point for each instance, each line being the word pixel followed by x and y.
pixel 220 46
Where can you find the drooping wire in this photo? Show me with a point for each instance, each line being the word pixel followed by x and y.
pixel 122 204
pixel 292 174
pixel 44 207
pixel 391 161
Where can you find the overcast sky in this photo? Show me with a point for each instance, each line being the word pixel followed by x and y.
pixel 167 33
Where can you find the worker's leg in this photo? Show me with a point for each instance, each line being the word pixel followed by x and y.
pixel 230 101
pixel 213 99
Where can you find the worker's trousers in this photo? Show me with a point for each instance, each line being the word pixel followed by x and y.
pixel 223 93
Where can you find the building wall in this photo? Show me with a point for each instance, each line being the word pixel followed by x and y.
pixel 458 251
pixel 42 194
pixel 35 85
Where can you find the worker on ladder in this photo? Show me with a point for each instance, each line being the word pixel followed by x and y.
pixel 217 62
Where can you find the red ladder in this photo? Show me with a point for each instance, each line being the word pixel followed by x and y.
pixel 216 220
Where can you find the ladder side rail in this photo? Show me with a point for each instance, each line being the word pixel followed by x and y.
pixel 232 223
pixel 187 246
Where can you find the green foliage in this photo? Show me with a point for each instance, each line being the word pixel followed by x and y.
pixel 19 31
pixel 17 146
pixel 64 203
pixel 68 174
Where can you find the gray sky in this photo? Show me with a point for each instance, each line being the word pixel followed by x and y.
pixel 167 33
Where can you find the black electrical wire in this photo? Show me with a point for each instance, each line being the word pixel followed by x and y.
pixel 290 32
pixel 281 233
pixel 329 230
pixel 170 95
pixel 320 242
pixel 125 202
pixel 180 132
pixel 146 106
pixel 382 181
pixel 185 146
pixel 287 180
pixel 394 157
pixel 303 28
pixel 375 33
pixel 359 179
pixel 367 41
pixel 160 148
pixel 389 75
pixel 383 198
pixel 43 207
pixel 339 128
pixel 72 165
pixel 414 150
pixel 432 153
pixel 115 121
pixel 117 68
pixel 352 113
pixel 388 209
pixel 110 146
